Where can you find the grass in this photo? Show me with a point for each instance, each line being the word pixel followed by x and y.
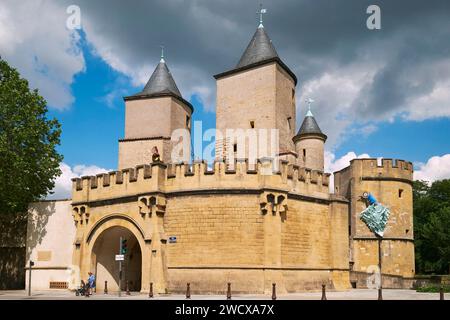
pixel 434 288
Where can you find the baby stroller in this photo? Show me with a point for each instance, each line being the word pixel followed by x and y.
pixel 82 290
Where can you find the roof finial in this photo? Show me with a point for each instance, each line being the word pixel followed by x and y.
pixel 261 12
pixel 162 54
pixel 309 101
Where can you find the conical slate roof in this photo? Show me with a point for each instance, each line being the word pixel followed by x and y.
pixel 310 127
pixel 161 81
pixel 259 49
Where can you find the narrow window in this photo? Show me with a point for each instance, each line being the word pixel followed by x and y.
pixel 235 147
pixel 252 124
pixel 188 122
pixel 304 153
pixel 400 191
pixel 293 94
pixel 289 122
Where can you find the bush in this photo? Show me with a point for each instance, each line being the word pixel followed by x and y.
pixel 434 288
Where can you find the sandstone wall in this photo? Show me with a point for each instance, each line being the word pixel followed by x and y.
pixel 391 184
pixel 240 226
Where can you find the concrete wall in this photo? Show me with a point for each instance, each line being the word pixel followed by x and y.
pixel 50 237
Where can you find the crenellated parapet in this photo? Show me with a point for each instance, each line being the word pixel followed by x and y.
pixel 199 175
pixel 389 168
pixel 372 169
pixel 380 169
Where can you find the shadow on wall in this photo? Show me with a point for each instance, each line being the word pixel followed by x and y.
pixel 37 223
pixel 19 235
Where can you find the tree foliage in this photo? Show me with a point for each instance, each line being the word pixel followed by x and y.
pixel 432 226
pixel 29 162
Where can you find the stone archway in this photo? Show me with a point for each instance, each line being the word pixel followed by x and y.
pixel 91 251
pixel 103 262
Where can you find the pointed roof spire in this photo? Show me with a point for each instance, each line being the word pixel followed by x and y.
pixel 259 49
pixel 161 80
pixel 309 101
pixel 162 54
pixel 161 83
pixel 309 126
pixel 261 12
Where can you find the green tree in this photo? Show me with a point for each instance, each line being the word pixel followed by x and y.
pixel 29 162
pixel 432 226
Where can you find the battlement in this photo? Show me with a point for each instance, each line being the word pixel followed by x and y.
pixel 162 177
pixel 380 168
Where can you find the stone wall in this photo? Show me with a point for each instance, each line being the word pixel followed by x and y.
pixel 150 122
pixel 241 226
pixel 265 96
pixel 391 184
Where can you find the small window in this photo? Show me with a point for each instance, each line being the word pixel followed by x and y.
pixel 293 94
pixel 235 147
pixel 304 153
pixel 289 122
pixel 252 124
pixel 400 192
pixel 407 231
pixel 188 122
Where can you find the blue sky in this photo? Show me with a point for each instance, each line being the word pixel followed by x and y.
pixel 383 93
pixel 94 124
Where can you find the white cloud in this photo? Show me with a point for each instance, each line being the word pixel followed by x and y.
pixel 433 105
pixel 34 39
pixel 332 164
pixel 436 168
pixel 334 93
pixel 63 183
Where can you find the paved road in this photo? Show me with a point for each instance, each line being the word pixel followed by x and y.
pixel 355 294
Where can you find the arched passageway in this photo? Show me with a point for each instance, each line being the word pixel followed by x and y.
pixel 105 267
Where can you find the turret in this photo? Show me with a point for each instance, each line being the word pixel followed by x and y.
pixel 258 93
pixel 390 182
pixel 150 118
pixel 309 144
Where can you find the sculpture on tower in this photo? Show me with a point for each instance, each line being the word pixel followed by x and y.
pixel 375 216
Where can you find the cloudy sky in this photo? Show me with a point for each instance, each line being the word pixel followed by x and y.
pixel 378 93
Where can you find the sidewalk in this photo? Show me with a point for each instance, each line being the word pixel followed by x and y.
pixel 355 294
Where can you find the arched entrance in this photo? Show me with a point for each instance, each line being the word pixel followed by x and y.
pixel 104 250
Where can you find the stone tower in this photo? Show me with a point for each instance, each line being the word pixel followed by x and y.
pixel 150 118
pixel 390 182
pixel 309 144
pixel 259 93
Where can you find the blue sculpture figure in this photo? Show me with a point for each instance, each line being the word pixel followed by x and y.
pixel 375 216
pixel 371 199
